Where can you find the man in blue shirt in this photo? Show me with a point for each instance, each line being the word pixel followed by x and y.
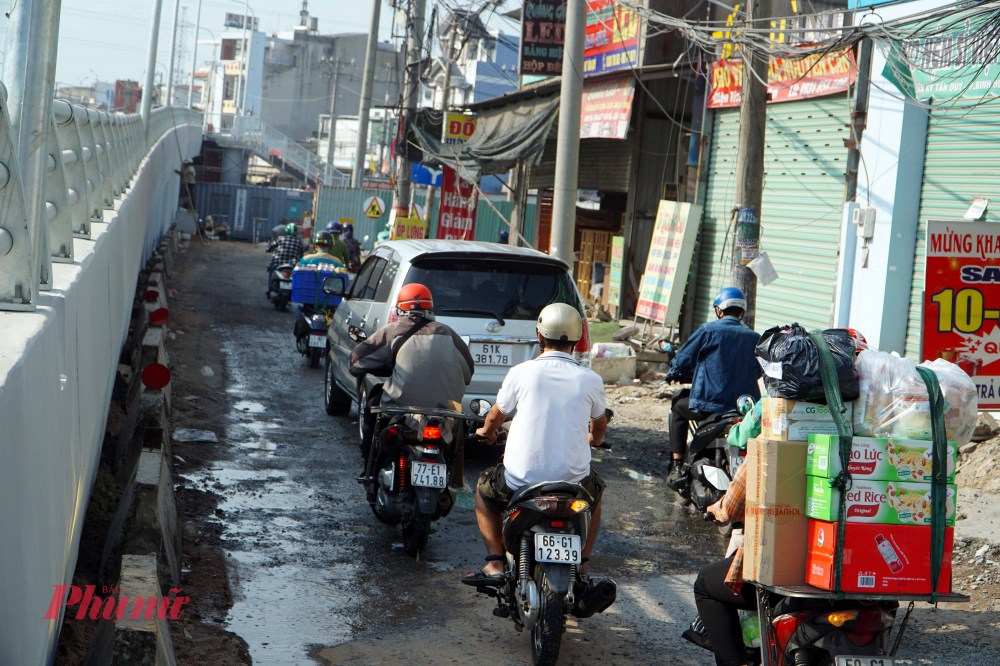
pixel 720 363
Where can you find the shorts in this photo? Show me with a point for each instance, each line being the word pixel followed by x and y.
pixel 496 493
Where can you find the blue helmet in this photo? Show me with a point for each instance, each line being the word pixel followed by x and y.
pixel 504 235
pixel 335 228
pixel 730 297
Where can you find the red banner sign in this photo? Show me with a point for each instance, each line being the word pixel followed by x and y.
pixel 457 219
pixel 961 320
pixel 787 79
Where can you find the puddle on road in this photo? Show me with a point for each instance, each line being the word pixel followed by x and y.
pixel 248 407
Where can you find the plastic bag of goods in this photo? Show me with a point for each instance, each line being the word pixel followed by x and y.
pixel 790 361
pixel 877 370
pixel 898 405
pixel 611 350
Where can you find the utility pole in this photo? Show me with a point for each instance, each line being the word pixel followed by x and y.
pixel 414 52
pixel 859 118
pixel 334 76
pixel 194 63
pixel 750 162
pixel 173 56
pixel 568 144
pixel 449 59
pixel 154 34
pixel 367 85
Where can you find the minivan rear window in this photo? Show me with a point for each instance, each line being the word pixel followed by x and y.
pixel 481 288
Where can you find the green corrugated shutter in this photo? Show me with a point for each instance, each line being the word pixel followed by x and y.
pixel 803 199
pixel 962 162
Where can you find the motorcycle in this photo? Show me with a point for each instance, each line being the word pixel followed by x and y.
pixel 409 468
pixel 310 332
pixel 710 463
pixel 545 528
pixel 279 287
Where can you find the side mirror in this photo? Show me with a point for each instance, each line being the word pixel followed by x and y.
pixel 335 285
pixel 356 334
pixel 744 404
pixel 608 414
pixel 367 237
pixel 480 407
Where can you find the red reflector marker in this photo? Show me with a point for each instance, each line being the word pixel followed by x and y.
pixel 432 432
pixel 158 317
pixel 556 523
pixel 155 376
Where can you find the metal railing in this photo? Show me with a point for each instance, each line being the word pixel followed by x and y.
pixel 255 135
pixel 92 159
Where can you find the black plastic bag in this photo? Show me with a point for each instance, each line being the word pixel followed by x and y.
pixel 791 363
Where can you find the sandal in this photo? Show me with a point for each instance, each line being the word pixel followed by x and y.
pixel 481 578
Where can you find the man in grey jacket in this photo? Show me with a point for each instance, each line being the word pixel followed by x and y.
pixel 427 364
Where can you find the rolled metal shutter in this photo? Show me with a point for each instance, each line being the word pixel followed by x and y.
pixel 962 162
pixel 805 159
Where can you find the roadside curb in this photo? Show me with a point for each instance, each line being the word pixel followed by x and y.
pixel 141 642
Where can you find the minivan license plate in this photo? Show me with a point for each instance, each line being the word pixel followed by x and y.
pixel 488 353
pixel 865 661
pixel 428 475
pixel 562 548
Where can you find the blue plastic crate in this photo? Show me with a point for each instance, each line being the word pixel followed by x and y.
pixel 306 286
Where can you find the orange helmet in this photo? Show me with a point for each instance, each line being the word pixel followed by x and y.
pixel 414 297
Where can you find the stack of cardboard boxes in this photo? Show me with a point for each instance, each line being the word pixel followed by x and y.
pixel 792 506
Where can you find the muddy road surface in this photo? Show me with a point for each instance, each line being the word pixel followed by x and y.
pixel 286 553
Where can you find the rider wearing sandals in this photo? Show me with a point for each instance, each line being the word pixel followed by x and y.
pixel 548 441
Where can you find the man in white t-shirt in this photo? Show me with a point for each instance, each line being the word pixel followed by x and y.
pixel 556 400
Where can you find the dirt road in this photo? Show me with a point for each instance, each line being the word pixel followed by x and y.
pixel 275 516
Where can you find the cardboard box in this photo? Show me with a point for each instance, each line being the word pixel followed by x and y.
pixel 883 502
pixel 775 526
pixel 794 420
pixel 876 459
pixel 881 559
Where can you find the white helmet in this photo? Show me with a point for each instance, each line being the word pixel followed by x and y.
pixel 560 322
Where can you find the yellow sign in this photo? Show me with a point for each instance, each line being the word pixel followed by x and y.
pixel 374 207
pixel 408 228
pixel 458 128
pixel 347 220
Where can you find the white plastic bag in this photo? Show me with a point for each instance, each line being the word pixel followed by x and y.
pixel 894 401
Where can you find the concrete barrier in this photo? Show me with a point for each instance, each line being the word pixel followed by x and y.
pixel 57 370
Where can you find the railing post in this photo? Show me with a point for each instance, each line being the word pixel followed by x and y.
pixel 103 160
pixel 17 283
pixel 56 206
pixel 89 149
pixel 76 170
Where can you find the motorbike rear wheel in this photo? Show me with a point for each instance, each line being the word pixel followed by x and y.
pixel 546 635
pixel 415 534
pixel 315 353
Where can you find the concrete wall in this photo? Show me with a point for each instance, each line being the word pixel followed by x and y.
pixel 57 367
pixel 298 83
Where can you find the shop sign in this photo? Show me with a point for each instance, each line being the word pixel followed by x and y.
pixel 606 108
pixel 407 228
pixel 961 318
pixel 787 79
pixel 241 210
pixel 457 217
pixel 612 38
pixel 670 249
pixel 617 261
pixel 457 128
pixel 543 28
pixel 953 64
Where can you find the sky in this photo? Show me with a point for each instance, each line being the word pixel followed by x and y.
pixel 108 40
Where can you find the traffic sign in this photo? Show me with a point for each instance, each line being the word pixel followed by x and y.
pixel 374 207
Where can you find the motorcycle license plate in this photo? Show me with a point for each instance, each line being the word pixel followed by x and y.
pixel 865 661
pixel 317 341
pixel 562 548
pixel 285 285
pixel 429 475
pixel 487 353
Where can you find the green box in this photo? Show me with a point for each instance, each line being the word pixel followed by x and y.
pixel 871 501
pixel 877 459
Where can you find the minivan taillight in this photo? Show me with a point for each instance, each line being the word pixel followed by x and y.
pixel 584 344
pixel 393 315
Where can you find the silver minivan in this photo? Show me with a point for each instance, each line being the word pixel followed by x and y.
pixel 489 293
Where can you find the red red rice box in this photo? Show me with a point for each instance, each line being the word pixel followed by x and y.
pixel 882 559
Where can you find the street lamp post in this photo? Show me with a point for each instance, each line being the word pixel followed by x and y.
pixel 194 62
pixel 173 56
